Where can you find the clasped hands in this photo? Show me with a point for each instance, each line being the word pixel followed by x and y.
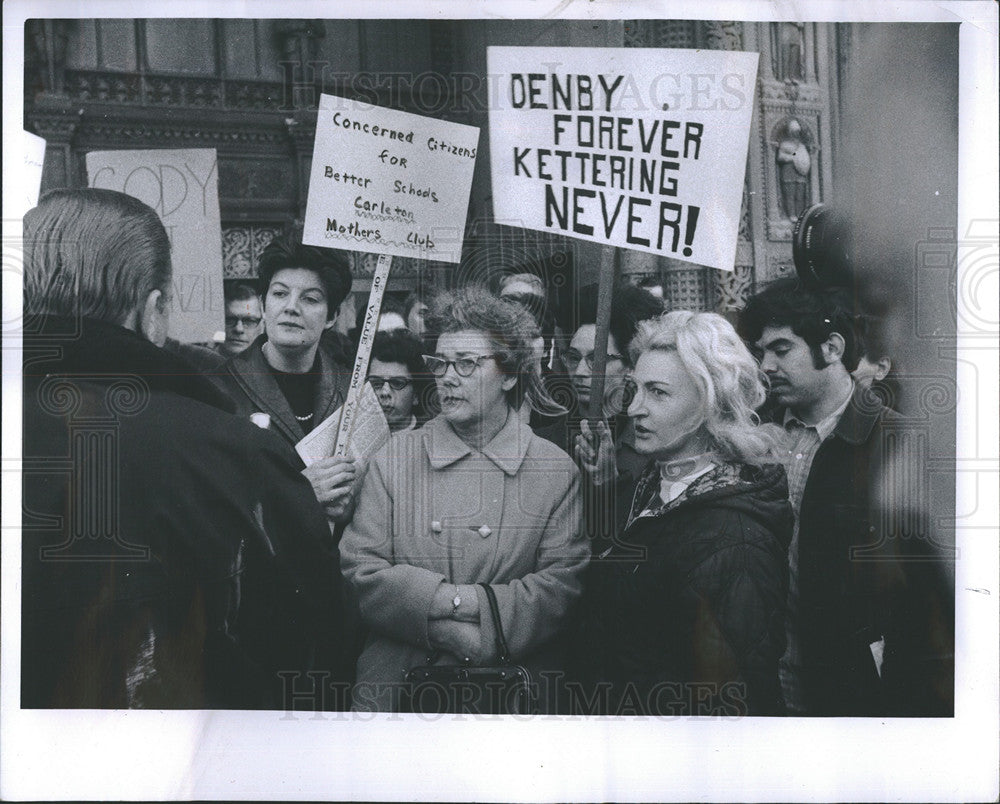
pixel 455 630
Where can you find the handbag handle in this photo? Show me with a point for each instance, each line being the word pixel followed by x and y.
pixel 491 596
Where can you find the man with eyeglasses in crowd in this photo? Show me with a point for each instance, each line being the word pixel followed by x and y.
pixel 244 319
pixel 399 379
pixel 629 305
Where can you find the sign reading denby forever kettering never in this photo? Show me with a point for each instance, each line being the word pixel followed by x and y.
pixel 389 182
pixel 640 148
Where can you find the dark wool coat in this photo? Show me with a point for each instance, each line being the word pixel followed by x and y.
pixel 173 555
pixel 871 567
pixel 687 608
pixel 249 380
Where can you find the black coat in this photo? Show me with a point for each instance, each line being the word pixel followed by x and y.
pixel 870 567
pixel 249 380
pixel 687 609
pixel 173 556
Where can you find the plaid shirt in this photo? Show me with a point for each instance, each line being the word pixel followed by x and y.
pixel 803 442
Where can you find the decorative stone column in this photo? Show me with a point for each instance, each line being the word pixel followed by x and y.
pixel 49 112
pixel 734 287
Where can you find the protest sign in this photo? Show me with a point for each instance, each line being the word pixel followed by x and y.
pixel 635 147
pixel 369 433
pixel 34 159
pixel 389 182
pixel 182 186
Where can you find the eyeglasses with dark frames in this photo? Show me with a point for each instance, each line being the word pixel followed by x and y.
pixel 395 383
pixel 571 359
pixel 464 366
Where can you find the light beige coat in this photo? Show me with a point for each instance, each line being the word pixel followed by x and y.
pixel 434 511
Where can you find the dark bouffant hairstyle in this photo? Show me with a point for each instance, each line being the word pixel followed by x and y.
pixel 629 305
pixel 812 314
pixel 329 265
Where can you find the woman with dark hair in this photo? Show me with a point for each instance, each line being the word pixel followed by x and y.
pixel 472 497
pixel 399 378
pixel 688 605
pixel 283 381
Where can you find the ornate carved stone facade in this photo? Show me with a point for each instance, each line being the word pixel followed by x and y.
pixel 248 88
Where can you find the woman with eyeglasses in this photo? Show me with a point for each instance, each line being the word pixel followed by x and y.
pixel 398 377
pixel 688 604
pixel 471 497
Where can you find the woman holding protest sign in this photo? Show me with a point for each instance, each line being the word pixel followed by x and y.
pixel 688 614
pixel 283 381
pixel 473 498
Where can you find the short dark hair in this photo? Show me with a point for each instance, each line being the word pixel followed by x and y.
pixel 329 265
pixel 629 305
pixel 813 314
pixel 400 346
pixel 93 253
pixel 240 292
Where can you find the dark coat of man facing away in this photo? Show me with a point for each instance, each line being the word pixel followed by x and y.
pixel 173 555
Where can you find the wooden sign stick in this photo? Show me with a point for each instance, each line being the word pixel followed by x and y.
pixel 368 329
pixel 605 287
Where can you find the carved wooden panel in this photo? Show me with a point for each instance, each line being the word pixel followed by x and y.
pixel 241 248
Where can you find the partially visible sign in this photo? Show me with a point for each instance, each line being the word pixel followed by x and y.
pixel 634 147
pixel 369 432
pixel 182 186
pixel 34 160
pixel 389 182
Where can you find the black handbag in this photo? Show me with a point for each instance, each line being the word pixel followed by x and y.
pixel 503 689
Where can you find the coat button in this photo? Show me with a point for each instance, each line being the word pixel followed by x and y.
pixel 485 531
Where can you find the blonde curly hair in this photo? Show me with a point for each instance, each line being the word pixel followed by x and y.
pixel 728 379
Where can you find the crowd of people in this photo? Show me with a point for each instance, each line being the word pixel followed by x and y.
pixel 721 540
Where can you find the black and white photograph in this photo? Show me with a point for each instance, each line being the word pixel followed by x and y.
pixel 500 402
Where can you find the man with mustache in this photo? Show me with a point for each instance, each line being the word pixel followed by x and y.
pixel 866 602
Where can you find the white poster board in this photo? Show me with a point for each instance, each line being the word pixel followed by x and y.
pixel 389 182
pixel 640 148
pixel 34 160
pixel 182 186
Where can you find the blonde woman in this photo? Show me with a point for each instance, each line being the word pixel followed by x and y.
pixel 687 606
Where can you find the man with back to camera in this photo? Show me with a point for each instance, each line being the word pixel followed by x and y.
pixel 862 619
pixel 172 555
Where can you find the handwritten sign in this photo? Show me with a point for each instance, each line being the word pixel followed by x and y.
pixel 635 147
pixel 182 186
pixel 389 182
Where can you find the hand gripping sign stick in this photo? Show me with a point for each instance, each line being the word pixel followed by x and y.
pixel 605 287
pixel 360 371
